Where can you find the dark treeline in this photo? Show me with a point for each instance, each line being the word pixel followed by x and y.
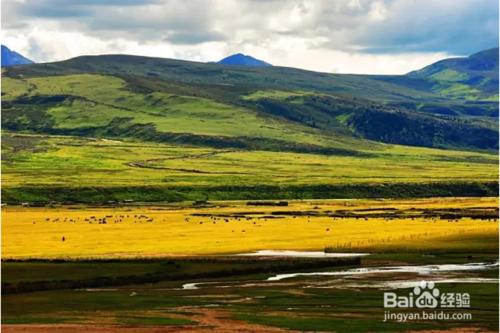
pixel 42 195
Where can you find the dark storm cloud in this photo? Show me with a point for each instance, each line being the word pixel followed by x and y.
pixel 64 9
pixel 457 27
pixel 182 22
pixel 399 26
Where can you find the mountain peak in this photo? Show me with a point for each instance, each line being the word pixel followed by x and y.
pixel 12 58
pixel 240 59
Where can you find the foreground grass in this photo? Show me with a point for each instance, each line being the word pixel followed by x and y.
pixel 340 310
pixel 233 227
pixel 304 304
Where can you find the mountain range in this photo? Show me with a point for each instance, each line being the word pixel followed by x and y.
pixel 119 127
pixel 449 104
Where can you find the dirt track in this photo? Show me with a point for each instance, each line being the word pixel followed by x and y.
pixel 209 320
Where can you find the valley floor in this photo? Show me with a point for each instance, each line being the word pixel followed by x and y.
pixel 175 267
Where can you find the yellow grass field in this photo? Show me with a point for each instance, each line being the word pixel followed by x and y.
pixel 235 227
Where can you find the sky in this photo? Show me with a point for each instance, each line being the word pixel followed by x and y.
pixel 336 36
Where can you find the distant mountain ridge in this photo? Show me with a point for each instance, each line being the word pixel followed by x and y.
pixel 483 61
pixel 213 105
pixel 12 58
pixel 240 59
pixel 475 73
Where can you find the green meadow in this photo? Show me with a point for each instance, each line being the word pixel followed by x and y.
pixel 38 160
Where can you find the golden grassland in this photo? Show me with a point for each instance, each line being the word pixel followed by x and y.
pixel 234 227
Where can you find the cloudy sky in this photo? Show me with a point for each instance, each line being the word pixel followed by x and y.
pixel 344 36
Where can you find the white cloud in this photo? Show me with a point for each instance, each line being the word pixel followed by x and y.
pixel 348 36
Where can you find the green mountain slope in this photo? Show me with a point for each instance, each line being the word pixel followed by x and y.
pixel 272 108
pixel 474 77
pixel 108 106
pixel 222 76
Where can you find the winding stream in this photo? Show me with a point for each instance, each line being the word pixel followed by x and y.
pixel 421 269
pixel 432 272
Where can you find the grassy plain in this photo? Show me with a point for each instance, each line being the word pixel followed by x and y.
pixel 35 160
pixel 233 227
